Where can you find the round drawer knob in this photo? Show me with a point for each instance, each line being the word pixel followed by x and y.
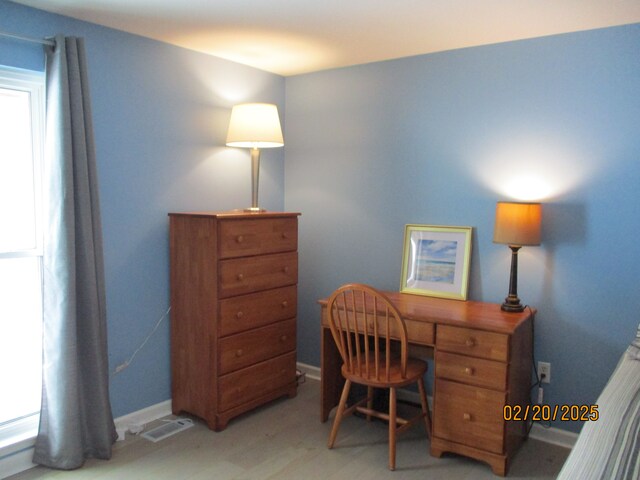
pixel 284 235
pixel 239 352
pixel 239 239
pixel 239 314
pixel 466 416
pixel 240 276
pixel 470 342
pixel 284 304
pixel 285 269
pixel 468 371
pixel 283 338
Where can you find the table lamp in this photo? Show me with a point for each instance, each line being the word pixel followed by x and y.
pixel 255 126
pixel 517 225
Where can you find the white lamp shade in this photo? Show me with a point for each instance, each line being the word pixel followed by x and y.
pixel 255 125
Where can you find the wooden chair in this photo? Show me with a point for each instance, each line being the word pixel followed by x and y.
pixel 372 340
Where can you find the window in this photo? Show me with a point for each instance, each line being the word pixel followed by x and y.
pixel 21 145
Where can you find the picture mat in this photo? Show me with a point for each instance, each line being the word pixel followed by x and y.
pixel 436 261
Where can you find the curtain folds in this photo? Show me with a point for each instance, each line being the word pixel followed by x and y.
pixel 76 420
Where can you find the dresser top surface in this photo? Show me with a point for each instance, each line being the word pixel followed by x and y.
pixel 236 214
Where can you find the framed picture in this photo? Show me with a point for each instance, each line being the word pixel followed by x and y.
pixel 435 261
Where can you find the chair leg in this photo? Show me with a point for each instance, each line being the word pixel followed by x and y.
pixel 425 406
pixel 369 401
pixel 392 428
pixel 341 407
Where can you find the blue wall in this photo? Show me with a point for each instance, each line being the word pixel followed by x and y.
pixel 433 139
pixel 438 139
pixel 160 116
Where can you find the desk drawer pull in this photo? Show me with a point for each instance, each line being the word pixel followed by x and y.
pixel 239 239
pixel 470 342
pixel 285 269
pixel 240 277
pixel 283 338
pixel 466 417
pixel 239 315
pixel 284 235
pixel 284 304
pixel 239 352
pixel 469 371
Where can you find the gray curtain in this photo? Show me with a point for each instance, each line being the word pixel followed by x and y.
pixel 76 420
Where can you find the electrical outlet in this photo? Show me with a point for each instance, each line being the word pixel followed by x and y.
pixel 544 368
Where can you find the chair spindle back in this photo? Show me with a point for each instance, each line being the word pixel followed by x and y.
pixel 363 323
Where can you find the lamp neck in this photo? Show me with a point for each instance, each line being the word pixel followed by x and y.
pixel 512 302
pixel 255 175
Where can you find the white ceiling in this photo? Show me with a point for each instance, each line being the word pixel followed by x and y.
pixel 289 37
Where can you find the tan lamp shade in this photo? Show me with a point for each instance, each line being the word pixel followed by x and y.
pixel 517 223
pixel 255 125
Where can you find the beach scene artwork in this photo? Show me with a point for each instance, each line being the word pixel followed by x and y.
pixel 436 261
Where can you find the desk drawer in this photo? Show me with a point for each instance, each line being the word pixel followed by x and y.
pixel 252 382
pixel 245 312
pixel 473 371
pixel 469 415
pixel 476 343
pixel 419 332
pixel 242 238
pixel 252 274
pixel 244 349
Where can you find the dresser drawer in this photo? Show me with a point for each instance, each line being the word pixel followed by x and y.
pixel 245 312
pixel 242 238
pixel 252 382
pixel 470 370
pixel 469 415
pixel 244 349
pixel 476 343
pixel 239 276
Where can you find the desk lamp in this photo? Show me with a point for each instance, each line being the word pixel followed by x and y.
pixel 255 126
pixel 517 225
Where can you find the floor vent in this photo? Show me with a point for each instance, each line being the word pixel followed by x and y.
pixel 170 428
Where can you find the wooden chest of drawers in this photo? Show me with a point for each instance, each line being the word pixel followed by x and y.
pixel 233 317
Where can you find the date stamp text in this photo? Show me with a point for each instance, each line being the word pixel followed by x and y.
pixel 550 413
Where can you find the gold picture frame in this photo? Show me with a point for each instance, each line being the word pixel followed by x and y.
pixel 435 261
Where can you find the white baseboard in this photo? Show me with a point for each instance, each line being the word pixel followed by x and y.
pixel 309 370
pixel 553 435
pixel 144 416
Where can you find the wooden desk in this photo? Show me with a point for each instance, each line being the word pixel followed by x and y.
pixel 482 363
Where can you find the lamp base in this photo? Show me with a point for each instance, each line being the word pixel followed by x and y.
pixel 254 209
pixel 512 304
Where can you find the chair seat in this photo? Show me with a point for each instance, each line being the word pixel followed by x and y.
pixel 415 369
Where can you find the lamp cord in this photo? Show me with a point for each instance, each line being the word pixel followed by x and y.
pixel 533 363
pixel 127 362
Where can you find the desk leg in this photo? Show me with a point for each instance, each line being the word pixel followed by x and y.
pixel 331 381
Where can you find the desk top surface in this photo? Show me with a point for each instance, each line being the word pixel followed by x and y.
pixel 478 315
